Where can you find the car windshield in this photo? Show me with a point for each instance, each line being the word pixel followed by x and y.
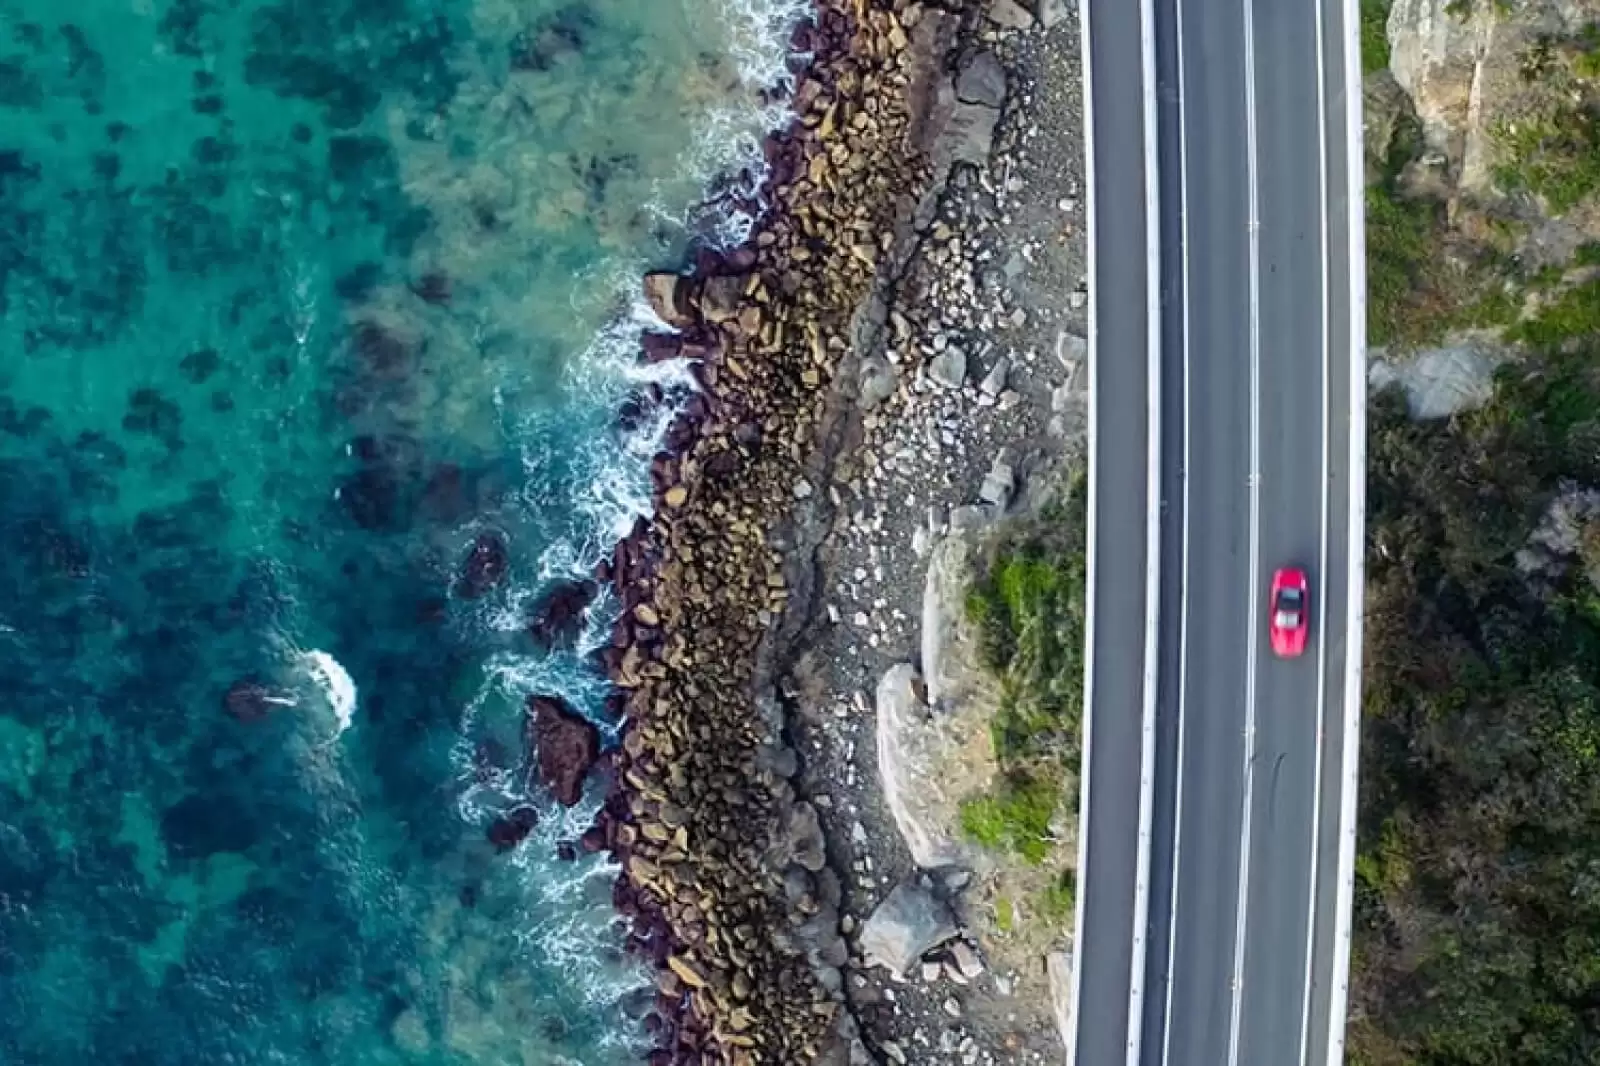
pixel 1288 599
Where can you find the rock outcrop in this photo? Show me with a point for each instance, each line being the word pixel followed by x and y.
pixel 1464 67
pixel 565 746
pixel 1440 382
pixel 910 922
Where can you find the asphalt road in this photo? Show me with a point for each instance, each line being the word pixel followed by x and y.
pixel 1266 359
pixel 1235 954
pixel 1119 483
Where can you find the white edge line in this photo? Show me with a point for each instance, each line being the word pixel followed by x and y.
pixel 1183 587
pixel 1152 531
pixel 1253 638
pixel 1321 607
pixel 1356 478
pixel 1085 718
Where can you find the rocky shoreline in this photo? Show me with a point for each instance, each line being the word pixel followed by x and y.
pixel 726 873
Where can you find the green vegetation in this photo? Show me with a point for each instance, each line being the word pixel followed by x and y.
pixel 1059 899
pixel 1421 282
pixel 1005 914
pixel 1556 155
pixel 1572 316
pixel 1028 608
pixel 1478 878
pixel 1554 151
pixel 1375 34
pixel 1016 817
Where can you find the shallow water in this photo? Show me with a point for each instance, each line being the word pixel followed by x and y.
pixel 299 298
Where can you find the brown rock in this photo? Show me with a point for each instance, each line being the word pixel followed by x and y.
pixel 565 746
pixel 664 290
pixel 557 617
pixel 720 297
pixel 687 971
pixel 509 830
pixel 660 347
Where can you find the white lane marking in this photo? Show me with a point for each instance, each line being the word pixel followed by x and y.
pixel 1252 637
pixel 1183 594
pixel 1152 530
pixel 1320 609
pixel 1355 544
pixel 1075 995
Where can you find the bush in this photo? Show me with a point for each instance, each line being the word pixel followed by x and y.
pixel 1478 902
pixel 1015 818
pixel 1028 608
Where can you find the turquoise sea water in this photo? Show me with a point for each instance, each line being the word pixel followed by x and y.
pixel 300 300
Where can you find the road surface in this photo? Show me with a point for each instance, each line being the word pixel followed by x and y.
pixel 1240 955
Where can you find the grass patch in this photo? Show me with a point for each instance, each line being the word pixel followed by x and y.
pixel 1554 152
pixel 1015 817
pixel 1375 35
pixel 1556 157
pixel 1028 608
pixel 1572 316
pixel 1059 900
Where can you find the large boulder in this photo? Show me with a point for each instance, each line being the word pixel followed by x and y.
pixel 1444 381
pixel 982 81
pixel 927 763
pixel 951 667
pixel 667 294
pixel 1058 971
pixel 556 620
pixel 910 922
pixel 565 745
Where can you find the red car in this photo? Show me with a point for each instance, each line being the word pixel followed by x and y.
pixel 1291 610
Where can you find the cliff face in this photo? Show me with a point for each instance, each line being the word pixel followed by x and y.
pixel 1481 74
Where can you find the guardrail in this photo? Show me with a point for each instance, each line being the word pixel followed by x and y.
pixel 1355 214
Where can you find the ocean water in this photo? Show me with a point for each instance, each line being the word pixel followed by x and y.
pixel 298 301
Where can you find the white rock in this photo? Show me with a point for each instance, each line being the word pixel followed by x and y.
pixel 948 369
pixel 1058 969
pixel 1071 350
pixel 966 959
pixel 1000 483
pixel 1051 12
pixel 1010 14
pixel 908 923
pixel 995 380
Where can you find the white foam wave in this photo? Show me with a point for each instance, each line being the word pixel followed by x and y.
pixel 329 675
pixel 568 910
pixel 727 150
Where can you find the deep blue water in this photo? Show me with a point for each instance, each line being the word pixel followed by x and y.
pixel 297 300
